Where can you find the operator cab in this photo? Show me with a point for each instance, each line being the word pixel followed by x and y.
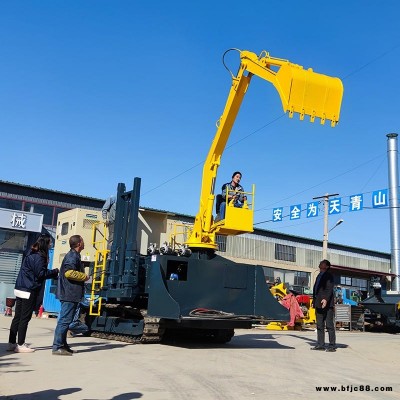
pixel 237 219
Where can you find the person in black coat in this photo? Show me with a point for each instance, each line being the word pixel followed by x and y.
pixel 323 300
pixel 28 288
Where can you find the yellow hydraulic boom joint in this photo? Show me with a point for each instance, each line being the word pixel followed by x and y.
pixel 301 91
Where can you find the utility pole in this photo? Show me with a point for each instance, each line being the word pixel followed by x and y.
pixel 326 230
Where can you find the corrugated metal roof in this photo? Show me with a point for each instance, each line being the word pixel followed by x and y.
pixel 47 190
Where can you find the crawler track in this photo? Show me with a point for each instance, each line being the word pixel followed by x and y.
pixel 152 333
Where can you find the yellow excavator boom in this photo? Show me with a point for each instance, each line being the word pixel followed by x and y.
pixel 301 91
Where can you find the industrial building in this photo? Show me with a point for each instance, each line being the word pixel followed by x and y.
pixel 26 211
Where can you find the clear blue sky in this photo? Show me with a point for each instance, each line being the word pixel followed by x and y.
pixel 97 92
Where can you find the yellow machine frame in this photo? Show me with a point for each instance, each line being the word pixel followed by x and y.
pixel 301 91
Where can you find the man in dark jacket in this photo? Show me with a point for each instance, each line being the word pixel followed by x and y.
pixel 70 290
pixel 323 300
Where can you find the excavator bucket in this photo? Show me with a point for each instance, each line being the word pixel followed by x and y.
pixel 309 93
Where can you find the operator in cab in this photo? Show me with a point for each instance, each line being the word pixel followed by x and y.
pixel 234 191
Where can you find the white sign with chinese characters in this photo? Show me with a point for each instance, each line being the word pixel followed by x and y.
pixel 20 220
pixel 380 198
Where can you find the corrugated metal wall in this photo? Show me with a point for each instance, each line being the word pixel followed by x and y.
pixel 262 249
pixel 10 264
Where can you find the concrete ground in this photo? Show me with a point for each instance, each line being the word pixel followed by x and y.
pixel 256 364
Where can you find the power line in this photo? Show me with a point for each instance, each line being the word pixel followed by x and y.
pixel 228 147
pixel 356 71
pixel 319 184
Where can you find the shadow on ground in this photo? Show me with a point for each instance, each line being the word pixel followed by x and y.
pixel 52 394
pixel 247 341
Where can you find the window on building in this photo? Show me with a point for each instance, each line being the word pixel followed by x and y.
pixel 11 204
pixel 361 284
pixel 345 280
pixel 12 240
pixel 47 211
pixel 279 276
pixel 221 242
pixel 289 277
pixel 302 278
pixel 269 274
pixel 285 253
pixel 28 207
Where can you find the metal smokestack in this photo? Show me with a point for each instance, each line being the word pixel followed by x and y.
pixel 394 210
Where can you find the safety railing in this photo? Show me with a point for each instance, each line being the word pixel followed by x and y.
pixel 179 235
pixel 238 219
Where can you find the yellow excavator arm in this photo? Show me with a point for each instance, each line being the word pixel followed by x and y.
pixel 301 91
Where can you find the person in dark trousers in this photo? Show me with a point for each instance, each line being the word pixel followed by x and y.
pixel 70 291
pixel 28 288
pixel 77 326
pixel 108 213
pixel 39 301
pixel 323 300
pixel 234 192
